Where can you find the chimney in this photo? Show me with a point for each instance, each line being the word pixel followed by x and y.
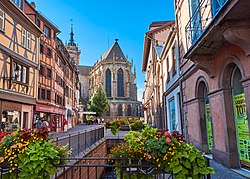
pixel 33 5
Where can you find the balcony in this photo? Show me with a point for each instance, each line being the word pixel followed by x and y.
pixel 214 24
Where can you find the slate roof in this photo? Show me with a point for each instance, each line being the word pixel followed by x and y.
pixel 84 70
pixel 114 53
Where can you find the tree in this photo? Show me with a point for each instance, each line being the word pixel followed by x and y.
pixel 98 102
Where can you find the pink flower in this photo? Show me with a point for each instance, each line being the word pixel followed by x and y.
pixel 168 140
pixel 166 134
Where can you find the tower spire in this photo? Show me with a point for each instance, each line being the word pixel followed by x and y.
pixel 71 40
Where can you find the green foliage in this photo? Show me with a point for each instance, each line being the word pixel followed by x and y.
pixel 134 124
pixel 137 125
pixel 98 102
pixel 38 160
pixel 89 117
pixel 32 153
pixel 168 151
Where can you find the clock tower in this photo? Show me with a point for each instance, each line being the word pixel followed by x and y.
pixel 72 48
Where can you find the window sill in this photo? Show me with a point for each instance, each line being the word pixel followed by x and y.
pixel 19 82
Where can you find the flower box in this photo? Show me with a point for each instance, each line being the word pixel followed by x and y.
pixel 124 128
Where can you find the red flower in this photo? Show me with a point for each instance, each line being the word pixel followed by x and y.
pixel 168 140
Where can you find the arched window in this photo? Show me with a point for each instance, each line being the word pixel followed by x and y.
pixel 119 110
pixel 120 86
pixel 206 127
pixel 129 110
pixel 108 83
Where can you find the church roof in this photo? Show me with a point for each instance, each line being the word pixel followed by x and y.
pixel 84 70
pixel 114 52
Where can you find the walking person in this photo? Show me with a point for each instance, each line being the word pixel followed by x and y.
pixel 45 124
pixel 39 123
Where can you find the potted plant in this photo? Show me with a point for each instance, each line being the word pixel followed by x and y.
pixel 125 124
pixel 31 153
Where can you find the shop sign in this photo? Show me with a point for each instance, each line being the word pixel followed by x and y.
pixel 11 106
pixel 49 109
pixel 209 128
pixel 242 127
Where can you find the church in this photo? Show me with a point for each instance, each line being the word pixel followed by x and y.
pixel 114 72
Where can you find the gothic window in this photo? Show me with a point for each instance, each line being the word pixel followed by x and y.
pixel 129 110
pixel 120 86
pixel 108 83
pixel 119 110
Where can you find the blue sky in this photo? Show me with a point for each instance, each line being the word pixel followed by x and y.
pixel 98 23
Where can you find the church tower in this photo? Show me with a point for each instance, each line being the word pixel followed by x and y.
pixel 72 48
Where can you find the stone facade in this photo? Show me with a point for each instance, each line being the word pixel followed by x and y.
pixel 214 59
pixel 114 72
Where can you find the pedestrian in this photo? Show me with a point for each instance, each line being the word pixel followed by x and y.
pixel 3 126
pixel 45 124
pixel 65 125
pixel 39 123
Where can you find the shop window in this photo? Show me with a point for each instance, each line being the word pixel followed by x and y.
pixel 10 121
pixel 172 115
pixel 46 31
pixel 241 119
pixel 1 20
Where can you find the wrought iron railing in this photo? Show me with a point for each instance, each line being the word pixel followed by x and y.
pixel 81 141
pixel 202 14
pixel 102 168
pixel 110 168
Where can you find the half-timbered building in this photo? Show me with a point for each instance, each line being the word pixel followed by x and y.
pixel 19 62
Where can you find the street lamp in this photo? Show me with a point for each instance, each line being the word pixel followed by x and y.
pixel 16 73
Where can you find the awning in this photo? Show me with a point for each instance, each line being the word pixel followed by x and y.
pixel 69 112
pixel 88 112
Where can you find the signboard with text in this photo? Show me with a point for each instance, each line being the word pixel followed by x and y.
pixel 209 128
pixel 242 127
